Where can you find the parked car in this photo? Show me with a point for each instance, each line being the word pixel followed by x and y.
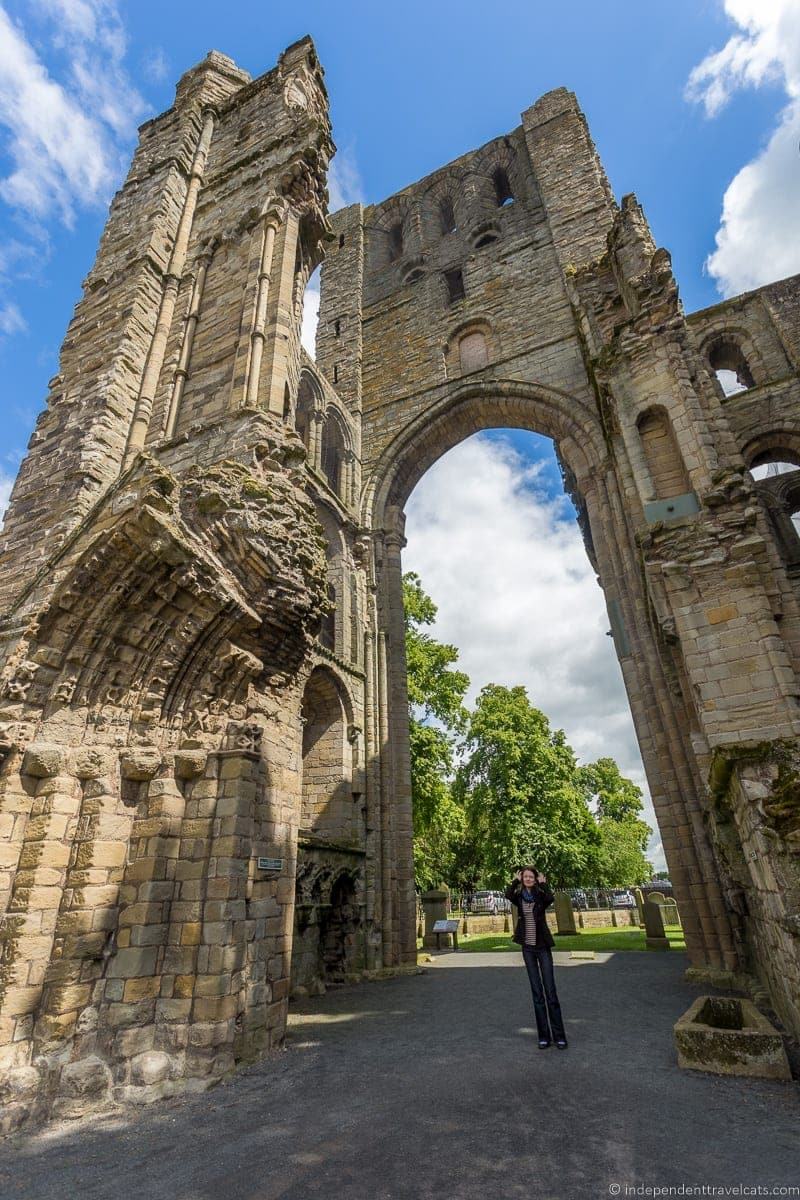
pixel 483 902
pixel 580 901
pixel 488 903
pixel 622 899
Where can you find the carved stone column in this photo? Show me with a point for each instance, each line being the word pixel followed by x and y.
pixel 399 799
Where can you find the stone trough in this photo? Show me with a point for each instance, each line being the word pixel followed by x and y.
pixel 729 1036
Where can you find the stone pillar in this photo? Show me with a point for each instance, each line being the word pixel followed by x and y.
pixel 434 905
pixel 259 322
pixel 88 912
pixel 565 915
pixel 132 980
pixel 373 797
pixel 315 440
pixel 29 926
pixel 187 342
pixel 281 332
pixel 221 951
pixel 155 356
pixel 399 748
pixel 655 937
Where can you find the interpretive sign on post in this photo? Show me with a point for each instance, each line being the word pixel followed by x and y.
pixel 440 927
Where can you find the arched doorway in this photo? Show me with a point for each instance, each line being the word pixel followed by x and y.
pixel 663 712
pixel 328 940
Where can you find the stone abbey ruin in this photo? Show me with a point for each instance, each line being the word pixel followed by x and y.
pixel 205 799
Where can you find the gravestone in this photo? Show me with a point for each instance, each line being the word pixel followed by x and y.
pixel 639 898
pixel 565 915
pixel 434 905
pixel 655 938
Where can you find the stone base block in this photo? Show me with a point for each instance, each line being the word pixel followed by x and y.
pixel 729 1036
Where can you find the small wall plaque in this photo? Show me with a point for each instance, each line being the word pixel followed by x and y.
pixel 269 864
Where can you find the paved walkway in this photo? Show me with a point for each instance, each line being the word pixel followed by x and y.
pixel 433 1086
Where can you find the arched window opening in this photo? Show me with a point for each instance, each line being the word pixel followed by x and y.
pixel 664 460
pixel 327 633
pixel 306 402
pixel 396 241
pixel 776 474
pixel 454 281
pixel 327 759
pixel 287 403
pixel 770 468
pixel 310 314
pixel 473 352
pixel 447 216
pixel 333 450
pixel 341 240
pixel 730 366
pixel 502 187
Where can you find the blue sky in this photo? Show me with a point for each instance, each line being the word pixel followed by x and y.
pixel 694 105
pixel 410 89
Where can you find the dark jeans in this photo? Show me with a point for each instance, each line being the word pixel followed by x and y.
pixel 539 961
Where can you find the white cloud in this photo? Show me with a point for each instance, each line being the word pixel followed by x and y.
pixel 308 332
pixel 155 65
pixel 758 239
pixel 11 319
pixel 344 180
pixel 517 595
pixel 6 483
pixel 66 123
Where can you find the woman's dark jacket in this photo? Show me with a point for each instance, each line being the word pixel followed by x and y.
pixel 542 899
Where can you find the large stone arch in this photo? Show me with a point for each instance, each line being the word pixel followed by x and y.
pixel 662 709
pixel 467 408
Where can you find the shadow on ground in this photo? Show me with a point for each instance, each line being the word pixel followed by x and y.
pixel 433 1086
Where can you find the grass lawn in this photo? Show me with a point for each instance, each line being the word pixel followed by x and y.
pixel 604 938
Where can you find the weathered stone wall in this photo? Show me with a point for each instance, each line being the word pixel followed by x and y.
pixel 509 289
pixel 205 793
pixel 168 551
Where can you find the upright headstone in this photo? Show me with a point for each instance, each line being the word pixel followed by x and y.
pixel 639 898
pixel 659 897
pixel 655 938
pixel 434 905
pixel 565 915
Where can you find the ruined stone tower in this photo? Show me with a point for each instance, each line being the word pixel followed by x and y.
pixel 203 721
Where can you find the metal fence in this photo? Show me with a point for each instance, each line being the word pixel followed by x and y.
pixel 493 903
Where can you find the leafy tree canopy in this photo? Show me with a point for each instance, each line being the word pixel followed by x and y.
pixel 520 786
pixel 435 690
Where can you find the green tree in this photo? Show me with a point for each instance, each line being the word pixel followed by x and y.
pixel 437 719
pixel 521 789
pixel 617 796
pixel 623 834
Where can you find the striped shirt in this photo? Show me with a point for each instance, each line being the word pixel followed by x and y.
pixel 530 922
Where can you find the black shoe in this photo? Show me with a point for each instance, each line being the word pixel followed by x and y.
pixel 544 1044
pixel 561 1043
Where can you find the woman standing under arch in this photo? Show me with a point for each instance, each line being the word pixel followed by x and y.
pixel 532 897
